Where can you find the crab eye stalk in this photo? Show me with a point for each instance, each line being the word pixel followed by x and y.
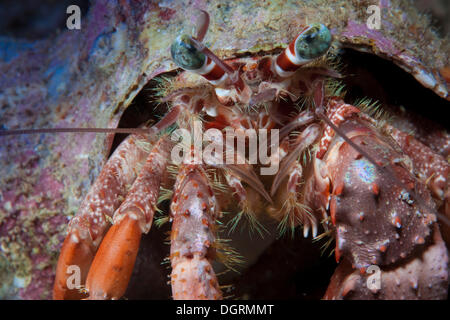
pixel 313 42
pixel 186 55
pixel 190 54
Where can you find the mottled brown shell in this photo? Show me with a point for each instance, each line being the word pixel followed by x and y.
pixel 423 276
pixel 379 221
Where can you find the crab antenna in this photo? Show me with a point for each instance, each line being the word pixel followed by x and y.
pixel 202 25
pixel 169 119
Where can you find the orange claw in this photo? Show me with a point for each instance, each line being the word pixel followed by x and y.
pixel 73 252
pixel 89 225
pixel 113 264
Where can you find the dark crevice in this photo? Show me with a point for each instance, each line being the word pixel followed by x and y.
pixel 367 75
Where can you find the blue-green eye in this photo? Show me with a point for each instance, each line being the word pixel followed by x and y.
pixel 185 55
pixel 313 42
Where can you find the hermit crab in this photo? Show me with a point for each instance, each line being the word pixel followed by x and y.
pixel 333 168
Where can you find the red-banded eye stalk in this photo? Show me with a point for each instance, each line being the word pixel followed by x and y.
pixel 190 54
pixel 186 55
pixel 311 43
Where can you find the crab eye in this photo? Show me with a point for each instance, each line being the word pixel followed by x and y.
pixel 313 42
pixel 185 55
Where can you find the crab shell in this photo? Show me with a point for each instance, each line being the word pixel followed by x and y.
pixel 88 77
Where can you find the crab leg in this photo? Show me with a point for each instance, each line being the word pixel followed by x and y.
pixel 304 140
pixel 87 229
pixel 432 167
pixel 292 211
pixel 193 211
pixel 424 276
pixel 113 264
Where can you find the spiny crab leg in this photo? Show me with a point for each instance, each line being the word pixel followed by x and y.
pixel 113 264
pixel 87 229
pixel 194 211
